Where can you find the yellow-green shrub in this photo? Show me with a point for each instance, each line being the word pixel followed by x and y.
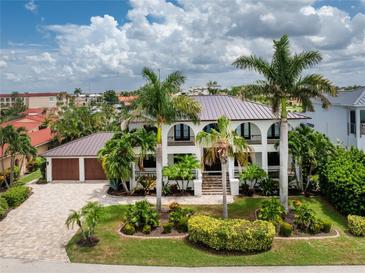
pixel 233 234
pixel 356 225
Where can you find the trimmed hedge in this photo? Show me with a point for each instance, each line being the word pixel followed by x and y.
pixel 3 207
pixel 356 225
pixel 343 181
pixel 15 196
pixel 232 234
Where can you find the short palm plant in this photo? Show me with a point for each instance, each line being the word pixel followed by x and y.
pixel 223 143
pixel 86 219
pixel 283 81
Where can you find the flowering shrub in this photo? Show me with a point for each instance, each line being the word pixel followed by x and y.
pixel 232 234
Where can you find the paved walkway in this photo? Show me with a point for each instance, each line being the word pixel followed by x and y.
pixel 13 265
pixel 36 230
pixel 183 200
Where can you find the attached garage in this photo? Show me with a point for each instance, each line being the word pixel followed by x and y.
pixel 65 169
pixel 94 169
pixel 77 161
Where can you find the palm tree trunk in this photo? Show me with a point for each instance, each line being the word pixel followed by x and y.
pixel 158 169
pixel 224 188
pixel 284 155
pixel 12 163
pixel 3 167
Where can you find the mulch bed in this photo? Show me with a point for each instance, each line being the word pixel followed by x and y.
pixel 158 231
pixel 88 243
pixel 138 193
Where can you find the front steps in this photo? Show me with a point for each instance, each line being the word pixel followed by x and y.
pixel 212 185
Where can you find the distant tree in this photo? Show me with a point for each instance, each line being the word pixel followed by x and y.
pixel 110 97
pixel 77 91
pixel 213 87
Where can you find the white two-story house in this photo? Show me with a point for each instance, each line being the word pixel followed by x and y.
pixel 78 161
pixel 344 121
pixel 255 122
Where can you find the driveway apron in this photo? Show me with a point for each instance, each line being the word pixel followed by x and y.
pixel 36 229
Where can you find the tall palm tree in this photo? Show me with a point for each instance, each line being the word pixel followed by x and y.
pixel 159 104
pixel 283 81
pixel 223 143
pixel 146 142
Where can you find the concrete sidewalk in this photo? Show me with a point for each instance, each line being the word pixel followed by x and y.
pixel 16 265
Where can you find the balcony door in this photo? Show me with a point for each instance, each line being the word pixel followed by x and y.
pixel 181 132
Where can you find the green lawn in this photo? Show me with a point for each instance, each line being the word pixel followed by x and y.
pixel 112 249
pixel 30 177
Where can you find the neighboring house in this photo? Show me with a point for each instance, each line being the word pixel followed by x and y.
pixel 87 98
pixel 30 100
pixel 255 122
pixel 344 120
pixel 40 137
pixel 127 100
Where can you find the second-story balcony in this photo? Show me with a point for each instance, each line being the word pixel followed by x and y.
pixel 180 135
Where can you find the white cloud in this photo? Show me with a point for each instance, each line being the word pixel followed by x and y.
pixel 3 64
pixel 201 38
pixel 31 6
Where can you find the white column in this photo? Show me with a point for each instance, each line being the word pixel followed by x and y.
pixel 264 162
pixel 358 135
pixel 49 169
pixel 233 182
pixel 82 169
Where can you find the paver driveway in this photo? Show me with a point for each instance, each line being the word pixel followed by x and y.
pixel 36 230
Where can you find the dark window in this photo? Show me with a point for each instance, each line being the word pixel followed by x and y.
pixel 352 121
pixel 273 158
pixel 246 130
pixel 274 131
pixel 182 132
pixel 208 128
pixel 149 162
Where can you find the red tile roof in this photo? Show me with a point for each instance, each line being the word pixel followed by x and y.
pixel 127 100
pixel 40 137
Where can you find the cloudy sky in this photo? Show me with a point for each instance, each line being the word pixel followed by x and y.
pixel 54 45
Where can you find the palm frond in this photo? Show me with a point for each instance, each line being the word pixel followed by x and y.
pixel 186 107
pixel 255 63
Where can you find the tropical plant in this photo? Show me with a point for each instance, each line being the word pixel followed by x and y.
pixel 158 104
pixel 179 218
pixel 86 219
pixel 75 122
pixel 182 171
pixel 342 181
pixel 307 220
pixel 253 173
pixel 283 81
pixel 17 144
pixel 223 143
pixel 147 183
pixel 116 157
pixel 142 216
pixel 146 142
pixel 271 210
pixel 310 151
pixel 269 186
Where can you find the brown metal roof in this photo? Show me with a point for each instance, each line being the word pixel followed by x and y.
pixel 85 146
pixel 214 106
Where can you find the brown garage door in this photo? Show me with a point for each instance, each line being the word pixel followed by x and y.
pixel 65 169
pixel 94 170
